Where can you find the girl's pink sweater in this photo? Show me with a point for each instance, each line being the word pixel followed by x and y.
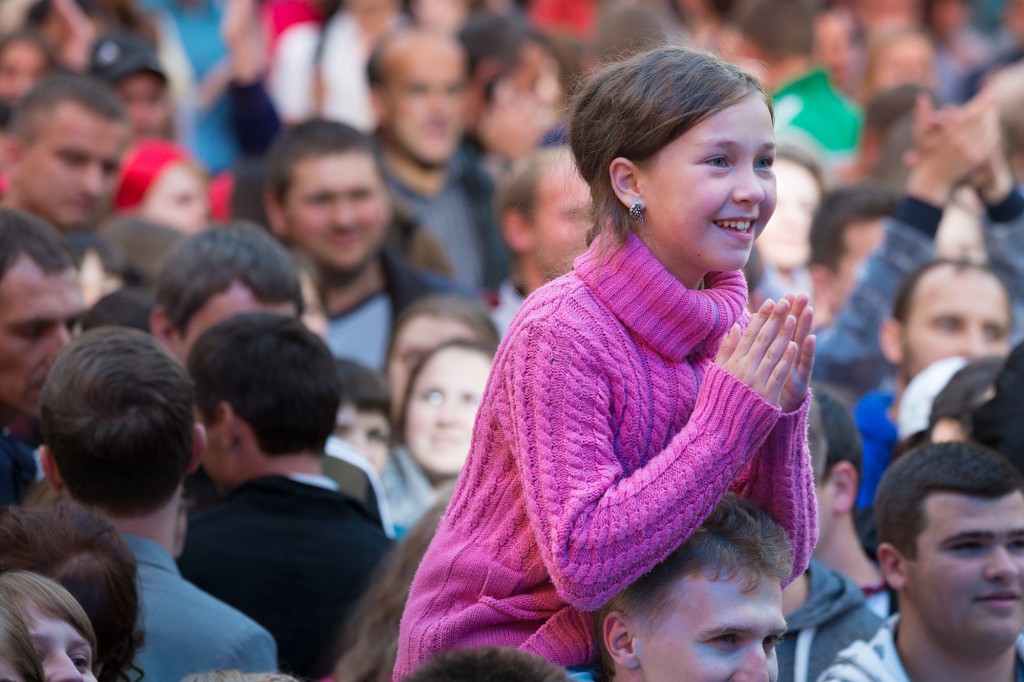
pixel 605 437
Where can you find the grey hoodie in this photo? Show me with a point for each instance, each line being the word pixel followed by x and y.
pixel 833 617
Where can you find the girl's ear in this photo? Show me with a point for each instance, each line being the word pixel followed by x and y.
pixel 625 178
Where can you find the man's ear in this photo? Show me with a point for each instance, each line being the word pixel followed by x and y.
pixel 619 639
pixel 275 214
pixel 843 483
pixel 518 232
pixel 165 332
pixel 625 177
pixel 890 339
pixel 50 469
pixel 198 448
pixel 892 565
pixel 13 149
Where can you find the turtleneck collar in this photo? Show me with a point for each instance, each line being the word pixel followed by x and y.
pixel 675 321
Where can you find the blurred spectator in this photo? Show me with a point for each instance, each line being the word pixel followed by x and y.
pixel 425 325
pixel 216 274
pixel 64 147
pixel 544 209
pixel 131 66
pixel 133 473
pixel 126 307
pixel 435 428
pixel 268 394
pixel 836 47
pixel 418 83
pixel 25 57
pixel 59 628
pixel 785 244
pixel 899 56
pixel 319 68
pixel 145 246
pixel 19 659
pixel 952 413
pixel 326 196
pixel 960 48
pixel 39 304
pixel 161 182
pixel 83 552
pixel 780 33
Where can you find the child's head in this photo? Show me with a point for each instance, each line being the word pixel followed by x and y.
pixel 25 57
pixel 364 418
pixel 786 242
pixel 56 622
pixel 444 393
pixel 686 137
pixel 19 661
pixel 898 56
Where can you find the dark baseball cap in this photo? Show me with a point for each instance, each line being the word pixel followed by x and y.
pixel 119 55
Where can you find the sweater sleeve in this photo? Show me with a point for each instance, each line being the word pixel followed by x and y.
pixel 598 525
pixel 780 479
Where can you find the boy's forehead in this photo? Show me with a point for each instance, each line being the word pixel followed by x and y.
pixel 734 600
pixel 946 514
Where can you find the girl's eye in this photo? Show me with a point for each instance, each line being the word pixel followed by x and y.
pixel 718 162
pixel 766 162
pixel 434 397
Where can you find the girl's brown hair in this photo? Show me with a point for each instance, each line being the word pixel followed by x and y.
pixel 16 647
pixel 636 107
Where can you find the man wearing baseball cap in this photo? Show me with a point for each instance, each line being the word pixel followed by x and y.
pixel 131 66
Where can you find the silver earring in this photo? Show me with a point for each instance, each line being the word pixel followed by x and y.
pixel 636 212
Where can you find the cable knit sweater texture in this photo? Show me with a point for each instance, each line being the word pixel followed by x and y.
pixel 605 437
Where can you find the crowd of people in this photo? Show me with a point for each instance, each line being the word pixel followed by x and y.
pixel 532 340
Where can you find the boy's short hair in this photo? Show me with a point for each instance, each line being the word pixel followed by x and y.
pixel 494 664
pixel 960 468
pixel 208 263
pixel 276 375
pixel 117 416
pixel 844 444
pixel 363 387
pixel 737 540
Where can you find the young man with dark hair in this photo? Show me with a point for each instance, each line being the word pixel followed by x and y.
pixel 216 274
pixel 132 68
pixel 494 664
pixel 120 436
pixel 63 149
pixel 39 304
pixel 285 537
pixel 951 530
pixel 712 610
pixel 326 195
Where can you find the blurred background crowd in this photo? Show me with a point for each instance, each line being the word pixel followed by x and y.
pixel 396 175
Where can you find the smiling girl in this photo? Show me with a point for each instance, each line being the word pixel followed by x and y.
pixel 631 394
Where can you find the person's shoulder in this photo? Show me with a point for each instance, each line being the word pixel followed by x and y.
pixel 873 660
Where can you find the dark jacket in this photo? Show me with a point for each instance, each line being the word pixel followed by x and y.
pixel 293 557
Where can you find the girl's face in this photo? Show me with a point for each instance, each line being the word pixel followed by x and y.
pixel 786 242
pixel 178 199
pixel 67 656
pixel 442 408
pixel 710 192
pixel 367 431
pixel 415 339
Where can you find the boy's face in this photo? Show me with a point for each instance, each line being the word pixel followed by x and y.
pixel 716 631
pixel 367 431
pixel 964 591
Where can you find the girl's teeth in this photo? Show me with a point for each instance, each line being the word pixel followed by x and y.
pixel 741 225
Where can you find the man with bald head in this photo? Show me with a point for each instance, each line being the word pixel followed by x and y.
pixel 418 89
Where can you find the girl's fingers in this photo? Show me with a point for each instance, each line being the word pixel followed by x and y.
pixel 757 321
pixel 805 361
pixel 768 332
pixel 729 343
pixel 780 374
pixel 773 352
